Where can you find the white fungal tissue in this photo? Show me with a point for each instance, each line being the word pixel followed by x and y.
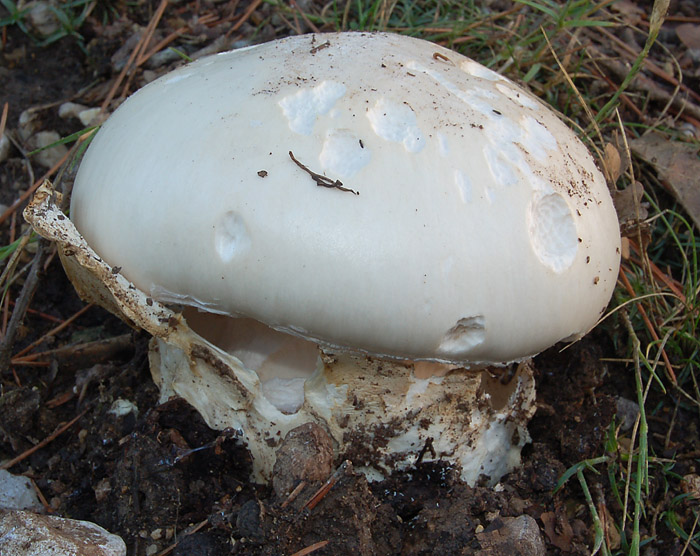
pixel 302 108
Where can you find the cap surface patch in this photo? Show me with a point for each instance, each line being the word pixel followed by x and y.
pixel 553 232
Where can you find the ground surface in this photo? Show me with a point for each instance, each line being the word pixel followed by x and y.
pixel 167 484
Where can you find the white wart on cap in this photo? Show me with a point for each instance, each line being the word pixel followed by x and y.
pixel 472 225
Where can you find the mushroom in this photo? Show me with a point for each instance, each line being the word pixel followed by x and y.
pixel 355 226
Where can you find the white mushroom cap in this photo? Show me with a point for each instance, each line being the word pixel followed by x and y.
pixel 482 230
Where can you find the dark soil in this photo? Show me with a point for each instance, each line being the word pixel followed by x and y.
pixel 150 477
pixel 159 477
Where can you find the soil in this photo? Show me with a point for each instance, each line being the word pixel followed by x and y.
pixel 166 483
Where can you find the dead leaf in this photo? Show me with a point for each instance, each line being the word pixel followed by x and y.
pixel 632 213
pixel 612 535
pixel 558 530
pixel 690 484
pixel 630 11
pixel 625 248
pixel 678 167
pixel 689 34
pixel 613 164
pixel 628 204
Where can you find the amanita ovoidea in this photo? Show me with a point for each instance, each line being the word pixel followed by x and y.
pixel 338 213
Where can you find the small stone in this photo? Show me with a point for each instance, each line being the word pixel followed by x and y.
pixel 220 44
pixel 28 123
pixel 29 534
pixel 5 147
pixel 87 116
pixel 102 490
pixel 627 412
pixel 249 520
pixel 306 454
pixel 51 155
pixel 689 130
pixel 41 20
pixel 511 535
pixel 691 485
pixel 161 58
pixel 121 408
pixel 121 56
pixel 17 492
pixel 70 110
pixel 90 116
pixel 203 543
pixel 149 75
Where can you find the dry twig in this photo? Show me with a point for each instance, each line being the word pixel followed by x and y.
pixel 3 118
pixel 53 331
pixel 292 495
pixel 188 532
pixel 55 434
pixel 327 486
pixel 647 322
pixel 21 306
pixel 312 548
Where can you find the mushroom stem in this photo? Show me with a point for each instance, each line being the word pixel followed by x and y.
pixel 282 362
